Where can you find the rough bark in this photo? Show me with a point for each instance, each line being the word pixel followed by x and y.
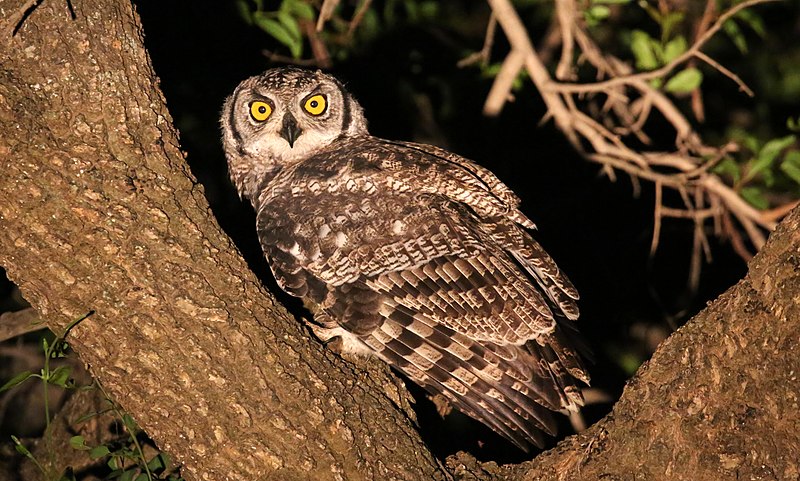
pixel 98 210
pixel 719 400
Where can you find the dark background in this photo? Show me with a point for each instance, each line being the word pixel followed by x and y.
pixel 598 232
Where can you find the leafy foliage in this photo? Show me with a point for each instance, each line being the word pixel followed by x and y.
pixel 282 24
pixel 763 169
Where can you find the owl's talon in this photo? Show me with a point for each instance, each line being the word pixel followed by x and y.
pixel 335 344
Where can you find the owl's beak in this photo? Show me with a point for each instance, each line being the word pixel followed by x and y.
pixel 289 130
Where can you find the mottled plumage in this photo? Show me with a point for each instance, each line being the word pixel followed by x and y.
pixel 405 251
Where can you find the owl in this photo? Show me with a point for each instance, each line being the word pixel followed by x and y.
pixel 406 252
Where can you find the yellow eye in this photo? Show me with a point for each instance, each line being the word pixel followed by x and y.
pixel 260 111
pixel 316 104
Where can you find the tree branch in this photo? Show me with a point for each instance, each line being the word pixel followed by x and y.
pixel 660 72
pixel 726 378
pixel 688 166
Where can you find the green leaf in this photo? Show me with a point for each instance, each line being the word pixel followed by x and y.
pixel 79 443
pixel 429 10
pixel 674 48
pixel 16 380
pixel 491 70
pixel 99 451
pixel 766 157
pixel 729 167
pixel 130 424
pixel 157 463
pixel 370 25
pixel 791 165
pixel 300 9
pixel 755 197
pixel 166 460
pixel 756 166
pixel 59 348
pixel 630 363
pixel 735 34
pixel 21 449
pixel 768 178
pixel 793 124
pixel 142 477
pixel 244 11
pixel 771 149
pixel 684 81
pixel 752 143
pixel 290 24
pixel 599 12
pixel 595 14
pixel 753 21
pixel 276 30
pixel 642 48
pixel 128 475
pixel 60 377
pixel 653 12
pixel 668 23
pixel 412 12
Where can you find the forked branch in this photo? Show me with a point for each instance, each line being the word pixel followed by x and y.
pixel 628 99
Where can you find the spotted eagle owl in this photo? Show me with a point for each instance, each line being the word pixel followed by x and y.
pixel 406 252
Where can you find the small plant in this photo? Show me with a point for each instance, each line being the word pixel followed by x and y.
pixel 59 376
pixel 126 459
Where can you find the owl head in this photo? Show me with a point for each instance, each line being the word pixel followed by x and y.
pixel 283 116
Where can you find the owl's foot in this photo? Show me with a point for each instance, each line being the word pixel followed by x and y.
pixel 335 344
pixel 342 342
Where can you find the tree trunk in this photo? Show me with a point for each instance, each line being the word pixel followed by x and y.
pixel 98 211
pixel 719 400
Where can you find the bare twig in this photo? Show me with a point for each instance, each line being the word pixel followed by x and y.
pixel 737 242
pixel 486 51
pixel 321 56
pixel 13 324
pixel 705 21
pixel 724 71
pixel 778 213
pixel 501 88
pixel 632 99
pixel 357 17
pixel 698 108
pixel 565 12
pixel 657 215
pixel 326 12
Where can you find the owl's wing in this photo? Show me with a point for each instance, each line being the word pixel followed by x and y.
pixel 461 179
pixel 465 303
pixel 443 324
